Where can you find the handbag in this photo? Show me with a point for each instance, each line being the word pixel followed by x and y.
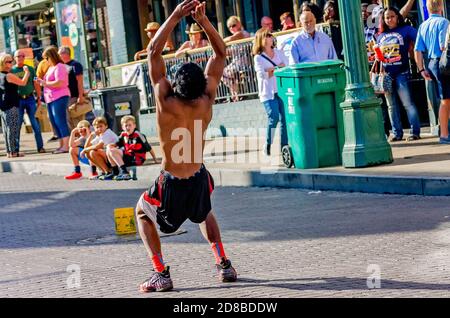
pixel 79 109
pixel 380 80
pixel 444 62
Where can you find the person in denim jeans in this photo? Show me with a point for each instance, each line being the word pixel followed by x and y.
pixel 57 94
pixel 395 40
pixel 266 58
pixel 27 102
pixel 432 39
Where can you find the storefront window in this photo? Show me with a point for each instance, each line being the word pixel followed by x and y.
pixel 36 30
pixel 92 41
pixel 10 35
pixel 71 32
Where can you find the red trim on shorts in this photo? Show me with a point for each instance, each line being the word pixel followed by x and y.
pixel 211 189
pixel 151 200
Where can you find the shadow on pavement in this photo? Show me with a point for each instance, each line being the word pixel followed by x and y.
pixel 323 283
pixel 46 219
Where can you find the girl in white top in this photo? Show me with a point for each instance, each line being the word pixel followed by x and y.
pixel 266 59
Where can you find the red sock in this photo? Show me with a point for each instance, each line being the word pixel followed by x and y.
pixel 218 251
pixel 158 263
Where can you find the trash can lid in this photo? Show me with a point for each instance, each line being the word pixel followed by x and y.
pixel 311 68
pixel 101 91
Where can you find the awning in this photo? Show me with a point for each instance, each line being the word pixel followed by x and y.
pixel 10 6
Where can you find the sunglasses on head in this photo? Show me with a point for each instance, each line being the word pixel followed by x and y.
pixel 8 62
pixel 232 26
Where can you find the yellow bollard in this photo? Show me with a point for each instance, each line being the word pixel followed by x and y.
pixel 124 219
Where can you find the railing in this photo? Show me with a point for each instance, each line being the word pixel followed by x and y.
pixel 238 82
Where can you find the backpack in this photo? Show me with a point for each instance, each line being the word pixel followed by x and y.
pixel 2 90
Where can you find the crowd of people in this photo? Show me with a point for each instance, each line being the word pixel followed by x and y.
pixel 58 82
pixel 387 31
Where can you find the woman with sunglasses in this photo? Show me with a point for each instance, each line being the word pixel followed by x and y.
pixel 56 95
pixel 9 102
pixel 267 59
pixel 239 60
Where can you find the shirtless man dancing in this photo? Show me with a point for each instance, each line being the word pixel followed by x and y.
pixel 182 190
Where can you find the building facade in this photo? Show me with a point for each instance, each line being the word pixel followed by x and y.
pixel 80 24
pixel 109 32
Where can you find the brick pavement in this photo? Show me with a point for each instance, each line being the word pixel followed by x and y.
pixel 284 243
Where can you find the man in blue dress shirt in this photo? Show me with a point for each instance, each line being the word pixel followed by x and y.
pixel 311 45
pixel 431 39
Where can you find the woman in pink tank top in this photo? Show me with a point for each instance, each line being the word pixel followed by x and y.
pixel 56 95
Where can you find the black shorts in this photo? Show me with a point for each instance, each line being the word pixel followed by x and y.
pixel 130 161
pixel 177 200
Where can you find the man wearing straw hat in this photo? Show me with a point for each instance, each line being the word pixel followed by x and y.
pixel 196 40
pixel 183 188
pixel 151 29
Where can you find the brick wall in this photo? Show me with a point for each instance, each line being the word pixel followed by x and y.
pixel 229 119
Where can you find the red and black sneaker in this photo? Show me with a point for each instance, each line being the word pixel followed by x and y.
pixel 74 176
pixel 227 273
pixel 159 282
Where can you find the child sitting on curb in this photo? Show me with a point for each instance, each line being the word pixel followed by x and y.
pixel 129 151
pixel 95 149
pixel 77 142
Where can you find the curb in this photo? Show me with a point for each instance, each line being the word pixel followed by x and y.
pixel 406 185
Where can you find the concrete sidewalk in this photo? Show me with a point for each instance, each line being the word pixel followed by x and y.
pixel 421 167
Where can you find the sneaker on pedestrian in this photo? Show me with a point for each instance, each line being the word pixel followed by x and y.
pixel 226 271
pixel 109 176
pixel 59 151
pixel 412 138
pixel 159 282
pixel 122 176
pixel 444 140
pixel 54 138
pixel 41 150
pixel 395 138
pixel 75 175
pixel 95 176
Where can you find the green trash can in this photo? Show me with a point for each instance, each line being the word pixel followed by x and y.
pixel 115 102
pixel 312 93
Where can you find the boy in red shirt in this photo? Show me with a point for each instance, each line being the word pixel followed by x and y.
pixel 130 150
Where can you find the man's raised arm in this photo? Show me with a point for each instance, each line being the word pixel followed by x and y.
pixel 156 66
pixel 216 64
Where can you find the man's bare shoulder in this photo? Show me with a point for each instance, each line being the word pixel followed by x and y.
pixel 174 104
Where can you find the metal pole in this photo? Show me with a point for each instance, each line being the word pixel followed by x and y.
pixel 365 142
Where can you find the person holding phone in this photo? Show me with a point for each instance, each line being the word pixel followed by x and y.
pixel 56 95
pixel 266 60
pixel 9 104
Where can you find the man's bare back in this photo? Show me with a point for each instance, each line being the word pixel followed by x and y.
pixel 183 124
pixel 184 107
